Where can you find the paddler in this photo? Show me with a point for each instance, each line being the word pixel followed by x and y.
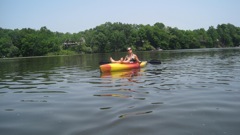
pixel 130 58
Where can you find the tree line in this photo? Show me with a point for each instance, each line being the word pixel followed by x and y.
pixel 114 37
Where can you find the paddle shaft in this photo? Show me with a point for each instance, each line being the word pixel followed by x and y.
pixel 151 62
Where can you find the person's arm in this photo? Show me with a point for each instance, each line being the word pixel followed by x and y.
pixel 137 59
pixel 126 58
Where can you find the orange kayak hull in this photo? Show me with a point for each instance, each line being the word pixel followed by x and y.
pixel 111 67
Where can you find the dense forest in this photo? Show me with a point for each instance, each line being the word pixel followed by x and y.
pixel 114 37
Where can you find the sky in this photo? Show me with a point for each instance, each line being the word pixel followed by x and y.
pixel 79 15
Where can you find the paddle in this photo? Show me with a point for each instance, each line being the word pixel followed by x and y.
pixel 154 61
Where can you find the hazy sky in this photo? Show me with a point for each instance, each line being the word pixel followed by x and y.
pixel 79 15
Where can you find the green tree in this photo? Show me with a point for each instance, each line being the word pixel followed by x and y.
pixel 224 33
pixel 114 37
pixel 214 37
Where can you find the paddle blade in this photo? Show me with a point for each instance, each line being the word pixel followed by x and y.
pixel 154 62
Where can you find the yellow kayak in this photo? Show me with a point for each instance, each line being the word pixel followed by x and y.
pixel 111 67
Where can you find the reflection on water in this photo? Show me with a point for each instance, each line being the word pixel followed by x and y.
pixel 126 74
pixel 191 92
pixel 134 114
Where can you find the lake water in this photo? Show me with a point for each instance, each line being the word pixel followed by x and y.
pixel 193 92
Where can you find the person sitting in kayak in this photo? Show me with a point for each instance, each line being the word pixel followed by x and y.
pixel 130 58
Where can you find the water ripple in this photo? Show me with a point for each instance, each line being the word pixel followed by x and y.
pixel 191 92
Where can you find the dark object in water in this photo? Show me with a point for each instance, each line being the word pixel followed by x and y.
pixel 154 61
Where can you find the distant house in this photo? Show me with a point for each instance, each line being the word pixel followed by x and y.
pixel 69 43
pixel 159 49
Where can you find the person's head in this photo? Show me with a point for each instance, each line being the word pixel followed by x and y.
pixel 129 49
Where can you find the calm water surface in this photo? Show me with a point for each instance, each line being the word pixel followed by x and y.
pixel 193 92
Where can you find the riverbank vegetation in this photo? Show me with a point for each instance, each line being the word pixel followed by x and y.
pixel 114 37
